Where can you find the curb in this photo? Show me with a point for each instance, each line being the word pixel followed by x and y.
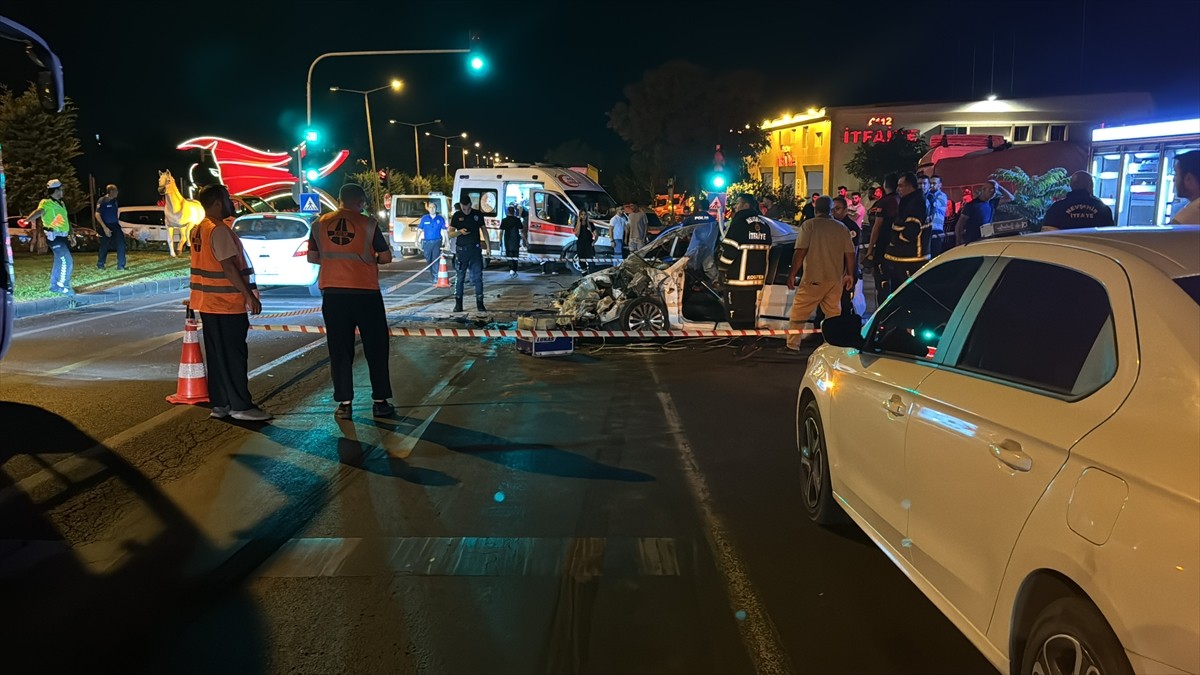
pixel 115 294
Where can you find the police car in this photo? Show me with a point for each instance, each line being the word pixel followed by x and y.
pixel 276 245
pixel 654 289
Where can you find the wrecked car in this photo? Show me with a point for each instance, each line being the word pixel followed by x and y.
pixel 656 289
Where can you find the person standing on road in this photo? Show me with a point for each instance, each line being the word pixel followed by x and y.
pixel 109 228
pixel 466 228
pixel 350 247
pixel 510 230
pixel 1187 186
pixel 743 261
pixel 883 216
pixel 857 211
pixel 824 260
pixel 53 215
pixel 908 247
pixel 1079 208
pixel 222 291
pixel 638 222
pixel 432 226
pixel 978 211
pixel 938 202
pixel 585 239
pixel 618 223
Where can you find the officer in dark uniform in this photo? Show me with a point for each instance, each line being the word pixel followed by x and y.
pixel 466 227
pixel 702 249
pixel 1079 208
pixel 743 260
pixel 908 247
pixel 882 216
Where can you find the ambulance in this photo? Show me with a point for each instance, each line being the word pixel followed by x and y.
pixel 548 199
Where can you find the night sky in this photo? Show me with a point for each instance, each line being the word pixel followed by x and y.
pixel 146 76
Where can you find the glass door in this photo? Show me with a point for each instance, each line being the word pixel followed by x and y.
pixel 1139 187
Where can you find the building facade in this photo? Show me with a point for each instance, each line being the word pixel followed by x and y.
pixel 810 151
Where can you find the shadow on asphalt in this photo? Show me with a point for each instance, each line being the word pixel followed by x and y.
pixel 528 457
pixel 349 450
pixel 62 613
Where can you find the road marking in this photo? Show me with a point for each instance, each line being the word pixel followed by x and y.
pixel 759 634
pixel 80 460
pixel 92 317
pixel 310 557
pixel 149 344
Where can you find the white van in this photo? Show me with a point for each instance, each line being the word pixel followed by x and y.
pixel 405 213
pixel 547 198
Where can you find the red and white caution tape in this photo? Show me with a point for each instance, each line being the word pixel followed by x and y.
pixel 532 334
pixel 314 310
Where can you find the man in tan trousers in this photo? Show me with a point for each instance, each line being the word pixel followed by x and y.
pixel 825 253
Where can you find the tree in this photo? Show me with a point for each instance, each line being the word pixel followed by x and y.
pixel 872 161
pixel 674 118
pixel 38 146
pixel 1033 195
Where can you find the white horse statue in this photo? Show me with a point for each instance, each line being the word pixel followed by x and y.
pixel 181 214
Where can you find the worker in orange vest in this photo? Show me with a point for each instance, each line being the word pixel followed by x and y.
pixel 222 291
pixel 349 247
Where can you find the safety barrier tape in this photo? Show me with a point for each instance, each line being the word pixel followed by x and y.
pixel 612 260
pixel 314 310
pixel 526 334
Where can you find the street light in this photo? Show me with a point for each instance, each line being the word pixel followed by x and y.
pixel 396 85
pixel 446 151
pixel 416 139
pixel 465 154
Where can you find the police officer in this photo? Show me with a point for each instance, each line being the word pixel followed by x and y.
pixel 432 226
pixel 349 247
pixel 908 246
pixel 53 214
pixel 882 215
pixel 109 228
pixel 1079 208
pixel 466 227
pixel 702 248
pixel 743 260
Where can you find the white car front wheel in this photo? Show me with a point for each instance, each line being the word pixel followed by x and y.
pixel 815 486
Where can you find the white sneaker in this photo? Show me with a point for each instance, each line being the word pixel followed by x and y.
pixel 512 274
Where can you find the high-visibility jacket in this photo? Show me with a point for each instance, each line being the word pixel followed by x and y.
pixel 345 241
pixel 745 250
pixel 212 291
pixel 54 217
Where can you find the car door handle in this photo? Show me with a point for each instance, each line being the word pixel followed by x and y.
pixel 1009 452
pixel 895 406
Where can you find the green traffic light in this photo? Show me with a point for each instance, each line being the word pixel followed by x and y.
pixel 311 135
pixel 477 63
pixel 312 175
pixel 718 181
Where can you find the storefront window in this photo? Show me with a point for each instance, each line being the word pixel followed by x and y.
pixel 1139 188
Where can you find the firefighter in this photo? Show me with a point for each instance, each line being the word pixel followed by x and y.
pixel 743 261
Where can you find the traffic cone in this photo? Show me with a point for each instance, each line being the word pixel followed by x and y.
pixel 443 280
pixel 193 379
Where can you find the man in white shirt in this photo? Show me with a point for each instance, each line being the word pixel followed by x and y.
pixel 1187 186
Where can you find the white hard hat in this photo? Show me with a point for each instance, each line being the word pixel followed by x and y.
pixel 53 184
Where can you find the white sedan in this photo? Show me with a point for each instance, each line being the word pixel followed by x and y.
pixel 1018 429
pixel 277 246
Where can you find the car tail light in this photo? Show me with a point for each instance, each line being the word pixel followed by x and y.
pixel 302 251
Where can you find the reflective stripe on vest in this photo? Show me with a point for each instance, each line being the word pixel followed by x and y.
pixel 212 291
pixel 345 243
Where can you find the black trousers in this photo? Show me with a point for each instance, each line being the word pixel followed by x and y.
pixel 343 313
pixel 743 307
pixel 225 352
pixel 899 272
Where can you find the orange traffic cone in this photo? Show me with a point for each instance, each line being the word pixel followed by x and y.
pixel 193 379
pixel 443 273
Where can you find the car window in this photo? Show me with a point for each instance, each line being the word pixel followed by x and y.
pixel 1191 286
pixel 410 208
pixel 551 209
pixel 271 228
pixel 482 200
pixel 913 322
pixel 1044 326
pixel 143 217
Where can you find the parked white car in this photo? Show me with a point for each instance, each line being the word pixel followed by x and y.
pixel 1018 429
pixel 277 246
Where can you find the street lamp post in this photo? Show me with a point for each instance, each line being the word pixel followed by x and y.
pixel 416 139
pixel 395 85
pixel 464 153
pixel 446 151
pixel 386 52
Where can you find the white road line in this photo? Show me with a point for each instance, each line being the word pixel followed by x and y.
pixel 91 317
pixel 30 483
pixel 759 634
pixel 134 349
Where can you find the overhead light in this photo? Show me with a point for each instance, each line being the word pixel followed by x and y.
pixel 1153 130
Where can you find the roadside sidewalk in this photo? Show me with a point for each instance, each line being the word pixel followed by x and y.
pixel 113 294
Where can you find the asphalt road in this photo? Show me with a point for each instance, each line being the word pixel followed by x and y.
pixel 625 509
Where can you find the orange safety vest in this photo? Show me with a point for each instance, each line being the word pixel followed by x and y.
pixel 212 292
pixel 344 242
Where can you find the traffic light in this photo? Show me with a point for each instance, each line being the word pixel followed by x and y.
pixel 716 180
pixel 476 60
pixel 382 176
pixel 311 135
pixel 312 175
